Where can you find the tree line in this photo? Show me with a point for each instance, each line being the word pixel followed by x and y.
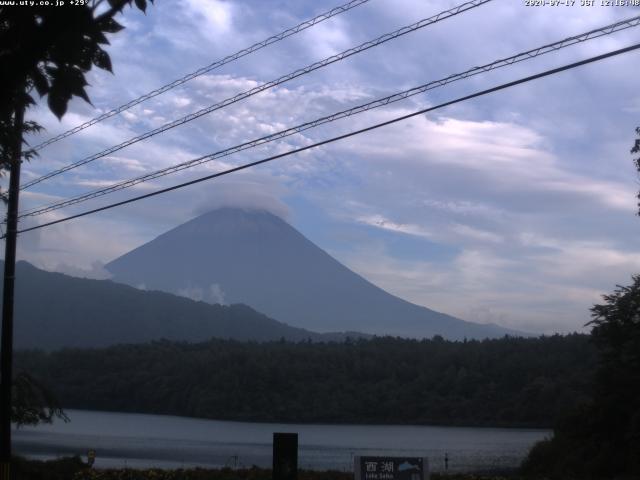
pixel 601 439
pixel 504 382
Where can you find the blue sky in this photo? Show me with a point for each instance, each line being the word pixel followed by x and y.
pixel 516 208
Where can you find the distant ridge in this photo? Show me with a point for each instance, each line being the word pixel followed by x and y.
pixel 55 310
pixel 254 257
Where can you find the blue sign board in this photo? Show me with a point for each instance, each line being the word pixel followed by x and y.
pixel 391 468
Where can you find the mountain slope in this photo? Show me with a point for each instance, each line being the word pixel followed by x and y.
pixel 55 310
pixel 256 258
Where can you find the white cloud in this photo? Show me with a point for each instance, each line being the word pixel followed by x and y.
pixel 485 287
pixel 213 17
pixel 251 190
pixel 532 189
pixel 465 208
pixel 496 157
pixel 214 294
pixel 130 164
pixel 75 245
pixel 329 38
pixel 379 221
pixel 96 271
pixel 476 233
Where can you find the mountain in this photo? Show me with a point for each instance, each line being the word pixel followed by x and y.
pixel 53 310
pixel 254 257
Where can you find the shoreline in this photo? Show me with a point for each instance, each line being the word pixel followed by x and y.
pixel 522 427
pixel 144 441
pixel 74 468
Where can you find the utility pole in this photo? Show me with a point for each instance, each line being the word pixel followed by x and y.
pixel 6 341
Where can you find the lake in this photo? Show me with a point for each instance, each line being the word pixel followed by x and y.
pixel 137 440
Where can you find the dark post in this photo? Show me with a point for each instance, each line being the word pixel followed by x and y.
pixel 6 342
pixel 285 456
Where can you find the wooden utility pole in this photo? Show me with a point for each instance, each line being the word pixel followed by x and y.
pixel 6 342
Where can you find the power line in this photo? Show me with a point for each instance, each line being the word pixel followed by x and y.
pixel 552 47
pixel 265 86
pixel 206 69
pixel 342 137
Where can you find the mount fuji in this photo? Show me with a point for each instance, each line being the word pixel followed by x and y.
pixel 233 255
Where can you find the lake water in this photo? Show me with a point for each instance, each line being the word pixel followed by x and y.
pixel 136 440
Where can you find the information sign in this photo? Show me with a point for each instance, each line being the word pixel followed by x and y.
pixel 391 468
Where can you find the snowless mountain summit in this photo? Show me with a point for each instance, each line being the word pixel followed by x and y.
pixel 233 255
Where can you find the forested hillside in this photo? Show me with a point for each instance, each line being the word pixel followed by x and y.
pixel 55 311
pixel 505 382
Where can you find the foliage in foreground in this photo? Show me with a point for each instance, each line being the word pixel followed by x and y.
pixel 246 474
pixel 75 469
pixel 602 439
pixel 32 403
pixel 50 51
pixel 202 474
pixel 60 469
pixel 506 382
pixel 636 149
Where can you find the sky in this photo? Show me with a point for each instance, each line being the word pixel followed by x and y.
pixel 516 208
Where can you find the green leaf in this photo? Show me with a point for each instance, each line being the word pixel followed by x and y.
pixel 72 82
pixel 28 100
pixel 66 82
pixel 40 82
pixel 142 5
pixel 81 92
pixel 57 103
pixel 101 60
pixel 99 38
pixel 109 25
pixel 86 58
